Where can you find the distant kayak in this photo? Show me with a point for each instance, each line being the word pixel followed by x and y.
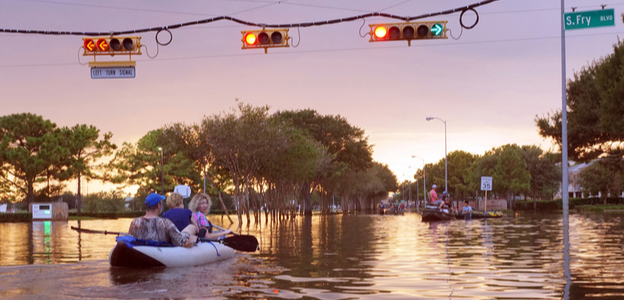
pixel 134 253
pixel 482 215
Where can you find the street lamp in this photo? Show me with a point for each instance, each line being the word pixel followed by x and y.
pixel 445 168
pixel 162 171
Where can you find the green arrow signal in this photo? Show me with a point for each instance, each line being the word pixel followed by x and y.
pixel 437 29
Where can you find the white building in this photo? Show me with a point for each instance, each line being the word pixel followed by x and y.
pixel 575 190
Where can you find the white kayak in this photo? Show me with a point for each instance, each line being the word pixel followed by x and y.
pixel 129 253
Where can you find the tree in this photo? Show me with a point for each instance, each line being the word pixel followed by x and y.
pixel 603 176
pixel 459 163
pixel 29 147
pixel 595 110
pixel 238 141
pixel 85 147
pixel 346 145
pixel 141 164
pixel 545 174
pixel 511 175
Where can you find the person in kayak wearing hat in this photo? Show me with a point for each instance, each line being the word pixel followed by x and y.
pixel 152 227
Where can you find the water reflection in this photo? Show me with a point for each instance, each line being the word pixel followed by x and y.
pixel 336 257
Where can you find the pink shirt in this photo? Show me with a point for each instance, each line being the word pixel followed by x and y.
pixel 433 195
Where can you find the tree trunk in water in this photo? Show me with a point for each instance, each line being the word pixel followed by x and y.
pixel 78 200
pixel 225 208
pixel 307 198
pixel 31 194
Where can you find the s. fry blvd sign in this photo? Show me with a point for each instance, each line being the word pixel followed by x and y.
pixel 112 72
pixel 589 19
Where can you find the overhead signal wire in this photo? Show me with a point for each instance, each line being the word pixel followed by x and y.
pixel 240 21
pixel 335 50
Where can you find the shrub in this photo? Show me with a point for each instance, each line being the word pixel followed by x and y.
pixel 557 204
pixel 16 217
pixel 108 202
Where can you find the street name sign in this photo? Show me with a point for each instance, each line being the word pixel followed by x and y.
pixel 589 19
pixel 486 183
pixel 112 72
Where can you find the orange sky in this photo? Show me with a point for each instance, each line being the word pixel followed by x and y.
pixel 489 84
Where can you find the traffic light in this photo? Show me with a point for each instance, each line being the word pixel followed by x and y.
pixel 112 46
pixel 408 31
pixel 265 38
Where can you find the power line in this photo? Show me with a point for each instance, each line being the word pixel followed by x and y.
pixel 333 50
pixel 263 25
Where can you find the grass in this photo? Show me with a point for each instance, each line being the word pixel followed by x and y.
pixel 601 208
pixel 81 218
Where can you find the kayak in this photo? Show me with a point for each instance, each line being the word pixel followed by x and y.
pixel 482 215
pixel 434 214
pixel 131 252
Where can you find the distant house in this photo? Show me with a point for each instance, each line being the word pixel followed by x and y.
pixel 575 190
pixel 128 202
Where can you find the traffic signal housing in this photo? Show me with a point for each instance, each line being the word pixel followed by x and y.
pixel 408 31
pixel 265 38
pixel 126 45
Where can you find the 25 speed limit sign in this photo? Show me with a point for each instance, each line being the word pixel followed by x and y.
pixel 486 183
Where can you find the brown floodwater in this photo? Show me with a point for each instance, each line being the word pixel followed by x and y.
pixel 334 257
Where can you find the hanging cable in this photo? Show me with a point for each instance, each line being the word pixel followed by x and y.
pixel 363 35
pixel 79 62
pixel 298 40
pixel 243 22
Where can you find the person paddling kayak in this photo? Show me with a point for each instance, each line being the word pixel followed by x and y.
pixel 152 227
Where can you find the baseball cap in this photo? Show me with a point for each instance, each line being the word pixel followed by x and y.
pixel 153 199
pixel 435 186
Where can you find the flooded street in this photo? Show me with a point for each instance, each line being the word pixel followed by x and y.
pixel 333 257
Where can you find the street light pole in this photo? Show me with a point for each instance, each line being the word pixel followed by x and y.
pixel 162 171
pixel 445 165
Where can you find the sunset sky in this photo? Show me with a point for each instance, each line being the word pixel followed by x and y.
pixel 489 84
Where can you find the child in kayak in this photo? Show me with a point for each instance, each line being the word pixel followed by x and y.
pixel 153 227
pixel 200 206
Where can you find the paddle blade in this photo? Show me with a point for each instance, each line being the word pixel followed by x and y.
pixel 244 243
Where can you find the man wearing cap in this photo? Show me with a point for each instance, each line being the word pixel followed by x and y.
pixel 432 194
pixel 153 227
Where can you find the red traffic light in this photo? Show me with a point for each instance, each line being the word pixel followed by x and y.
pixel 89 44
pixel 381 32
pixel 250 38
pixel 102 45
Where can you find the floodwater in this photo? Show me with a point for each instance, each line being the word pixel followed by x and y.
pixel 334 257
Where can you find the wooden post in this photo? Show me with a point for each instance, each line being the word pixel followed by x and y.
pixel 485 205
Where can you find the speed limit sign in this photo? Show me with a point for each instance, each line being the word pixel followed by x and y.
pixel 486 183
